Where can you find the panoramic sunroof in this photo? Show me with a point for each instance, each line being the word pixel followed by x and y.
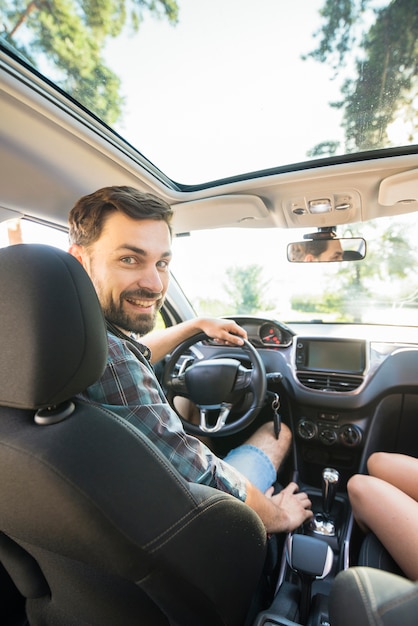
pixel 208 89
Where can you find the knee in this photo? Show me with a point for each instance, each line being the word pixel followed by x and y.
pixel 286 433
pixel 285 437
pixel 356 488
pixel 376 461
pixel 354 485
pixel 267 430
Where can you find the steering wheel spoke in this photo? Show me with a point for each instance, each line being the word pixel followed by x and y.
pixel 243 379
pixel 177 385
pixel 224 411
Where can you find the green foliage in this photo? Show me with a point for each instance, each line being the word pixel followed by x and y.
pixel 385 82
pixel 337 34
pixel 325 148
pixel 211 307
pixel 69 37
pixel 246 288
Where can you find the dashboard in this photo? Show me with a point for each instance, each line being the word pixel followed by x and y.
pixel 347 390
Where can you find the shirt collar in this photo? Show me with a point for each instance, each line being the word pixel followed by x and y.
pixel 145 351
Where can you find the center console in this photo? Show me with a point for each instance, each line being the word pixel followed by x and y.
pixel 329 441
pixel 328 432
pixel 312 557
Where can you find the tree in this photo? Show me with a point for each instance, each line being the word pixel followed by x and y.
pixel 385 81
pixel 70 37
pixel 246 289
pixel 355 284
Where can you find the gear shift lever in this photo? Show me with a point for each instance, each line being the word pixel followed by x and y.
pixel 330 478
pixel 322 523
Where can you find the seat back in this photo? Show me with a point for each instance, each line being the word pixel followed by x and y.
pixel 365 596
pixel 96 527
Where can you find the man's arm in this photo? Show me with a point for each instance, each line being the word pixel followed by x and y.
pixel 161 342
pixel 282 512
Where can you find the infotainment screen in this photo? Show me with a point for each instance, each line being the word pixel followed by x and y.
pixel 331 355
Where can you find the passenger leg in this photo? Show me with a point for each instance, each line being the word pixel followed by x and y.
pixel 391 515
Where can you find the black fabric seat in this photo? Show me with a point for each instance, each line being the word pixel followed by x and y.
pixel 96 527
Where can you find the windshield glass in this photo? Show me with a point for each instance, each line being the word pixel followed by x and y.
pixel 246 272
pixel 207 89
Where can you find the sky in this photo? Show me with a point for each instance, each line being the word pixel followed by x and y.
pixel 221 93
pixel 225 86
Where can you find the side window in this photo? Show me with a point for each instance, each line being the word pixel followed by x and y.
pixel 25 231
pixel 21 230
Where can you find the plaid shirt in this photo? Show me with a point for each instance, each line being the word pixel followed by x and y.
pixel 129 388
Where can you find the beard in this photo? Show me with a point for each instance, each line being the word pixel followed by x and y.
pixel 139 323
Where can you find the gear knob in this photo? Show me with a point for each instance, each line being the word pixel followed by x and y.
pixel 330 478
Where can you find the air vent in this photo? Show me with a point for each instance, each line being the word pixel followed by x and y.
pixel 329 381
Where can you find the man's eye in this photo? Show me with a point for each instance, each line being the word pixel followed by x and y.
pixel 128 260
pixel 163 265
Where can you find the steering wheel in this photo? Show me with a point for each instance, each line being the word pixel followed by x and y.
pixel 215 385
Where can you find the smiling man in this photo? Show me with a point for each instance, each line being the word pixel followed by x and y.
pixel 126 247
pixel 123 239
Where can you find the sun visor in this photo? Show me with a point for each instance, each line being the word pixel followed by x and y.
pixel 399 189
pixel 235 211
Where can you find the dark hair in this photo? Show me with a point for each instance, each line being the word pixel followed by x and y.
pixel 90 212
pixel 298 251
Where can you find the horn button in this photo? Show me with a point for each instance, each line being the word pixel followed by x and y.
pixel 212 382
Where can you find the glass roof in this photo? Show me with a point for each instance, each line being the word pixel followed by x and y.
pixel 207 89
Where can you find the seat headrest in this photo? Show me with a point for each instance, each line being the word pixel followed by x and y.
pixel 53 340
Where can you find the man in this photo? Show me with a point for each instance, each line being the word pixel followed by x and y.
pixel 123 239
pixel 317 251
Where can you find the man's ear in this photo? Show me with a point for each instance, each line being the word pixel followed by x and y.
pixel 309 258
pixel 77 251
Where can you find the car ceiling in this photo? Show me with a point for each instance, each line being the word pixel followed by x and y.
pixel 52 152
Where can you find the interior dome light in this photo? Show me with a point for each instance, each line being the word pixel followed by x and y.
pixel 323 205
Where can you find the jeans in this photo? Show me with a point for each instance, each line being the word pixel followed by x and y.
pixel 254 464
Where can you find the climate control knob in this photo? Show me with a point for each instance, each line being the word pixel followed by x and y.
pixel 350 435
pixel 328 436
pixel 306 429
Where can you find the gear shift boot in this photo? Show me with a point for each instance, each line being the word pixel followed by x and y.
pixel 309 556
pixel 312 559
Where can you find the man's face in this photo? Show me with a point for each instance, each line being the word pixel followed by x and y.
pixel 128 265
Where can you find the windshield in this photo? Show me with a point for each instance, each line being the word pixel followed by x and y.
pixel 207 89
pixel 246 272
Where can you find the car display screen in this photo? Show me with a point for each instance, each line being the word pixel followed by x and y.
pixel 332 356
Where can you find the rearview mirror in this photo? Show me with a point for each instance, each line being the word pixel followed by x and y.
pixel 326 250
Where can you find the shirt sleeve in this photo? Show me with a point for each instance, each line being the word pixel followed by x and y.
pixel 130 389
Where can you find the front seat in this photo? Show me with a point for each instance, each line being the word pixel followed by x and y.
pixel 365 596
pixel 96 527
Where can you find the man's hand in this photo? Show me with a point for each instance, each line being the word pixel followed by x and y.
pixel 282 512
pixel 294 507
pixel 226 332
